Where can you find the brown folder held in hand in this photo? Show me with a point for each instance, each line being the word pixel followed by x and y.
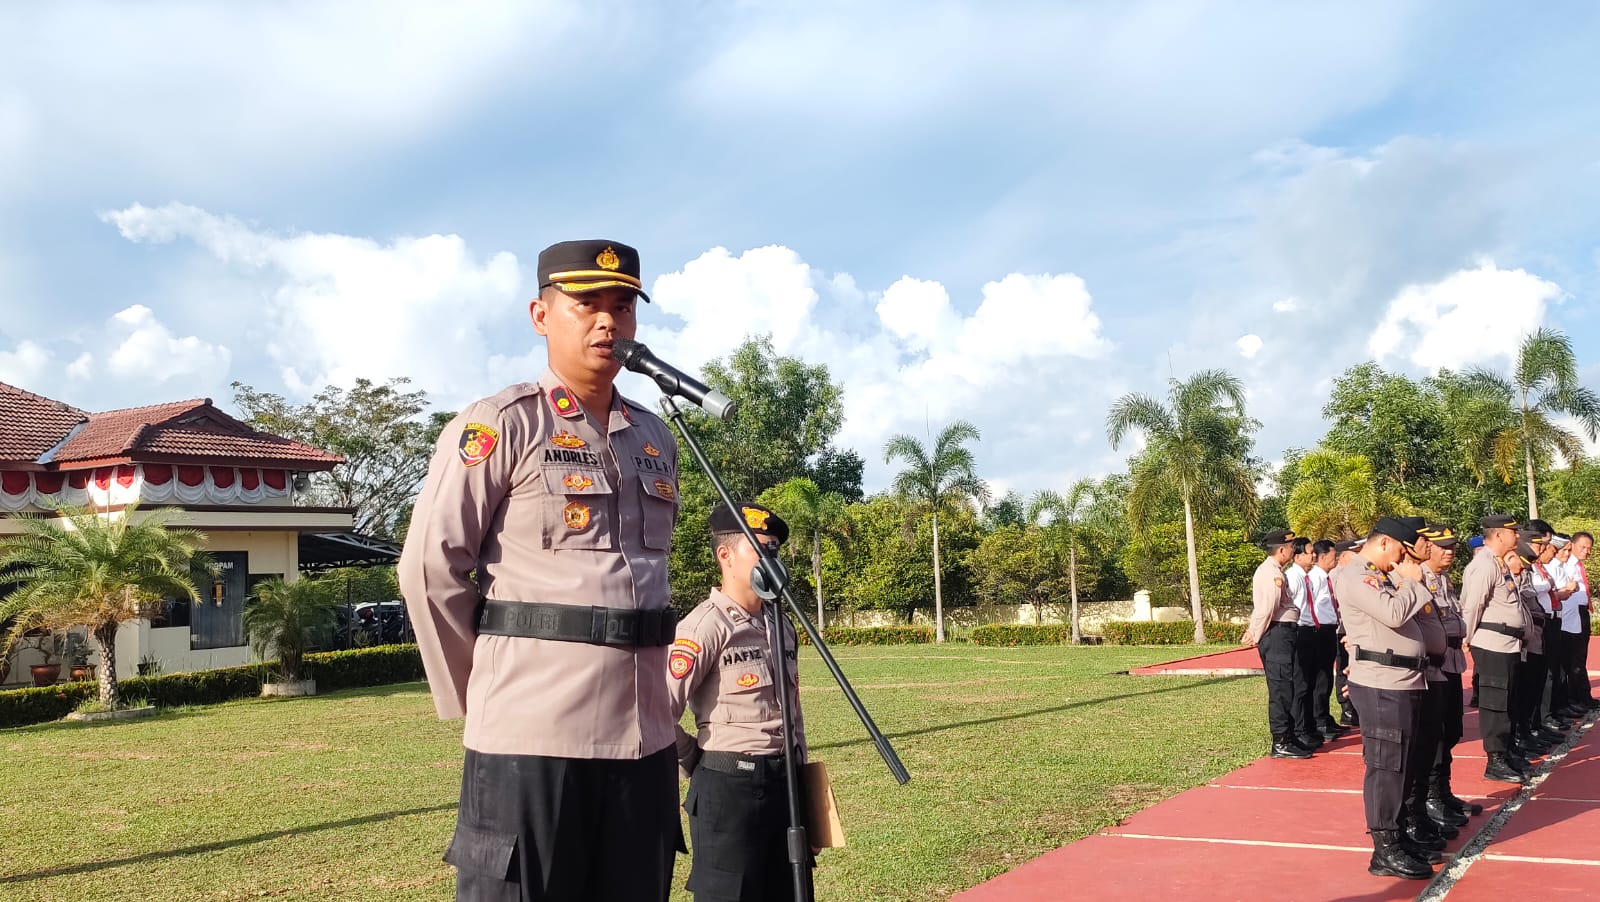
pixel 822 828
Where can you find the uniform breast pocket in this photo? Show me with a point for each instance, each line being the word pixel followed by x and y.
pixel 660 510
pixel 578 509
pixel 742 695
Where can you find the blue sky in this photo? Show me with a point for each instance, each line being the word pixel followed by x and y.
pixel 1006 212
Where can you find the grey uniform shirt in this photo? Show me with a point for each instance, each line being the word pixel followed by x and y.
pixel 544 504
pixel 720 669
pixel 1435 638
pixel 1455 627
pixel 1380 616
pixel 1489 595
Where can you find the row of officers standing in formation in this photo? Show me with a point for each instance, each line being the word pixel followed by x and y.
pixel 535 574
pixel 1379 624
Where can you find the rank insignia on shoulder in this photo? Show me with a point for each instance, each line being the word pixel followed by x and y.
pixel 561 400
pixel 1371 581
pixel 665 489
pixel 576 515
pixel 577 481
pixel 477 443
pixel 747 680
pixel 567 440
pixel 652 450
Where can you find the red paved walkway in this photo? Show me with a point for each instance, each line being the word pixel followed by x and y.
pixel 1294 830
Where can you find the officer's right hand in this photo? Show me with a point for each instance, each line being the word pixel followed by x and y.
pixel 1409 569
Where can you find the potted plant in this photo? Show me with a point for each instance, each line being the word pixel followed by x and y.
pixel 49 644
pixel 84 568
pixel 279 617
pixel 79 658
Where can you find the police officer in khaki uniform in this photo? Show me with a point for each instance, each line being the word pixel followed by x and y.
pixel 1348 716
pixel 1527 738
pixel 1442 801
pixel 1420 826
pixel 1495 623
pixel 535 574
pixel 738 801
pixel 1387 665
pixel 1273 629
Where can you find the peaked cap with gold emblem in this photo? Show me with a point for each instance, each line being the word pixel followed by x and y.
pixel 579 266
pixel 761 520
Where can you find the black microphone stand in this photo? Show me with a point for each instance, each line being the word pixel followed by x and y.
pixel 770 580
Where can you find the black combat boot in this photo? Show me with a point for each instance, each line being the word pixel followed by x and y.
pixel 1390 859
pixel 1422 832
pixel 1501 770
pixel 1286 747
pixel 1442 812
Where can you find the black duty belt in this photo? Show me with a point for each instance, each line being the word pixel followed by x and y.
pixel 578 623
pixel 735 763
pixel 1453 641
pixel 1390 659
pixel 1436 660
pixel 1513 631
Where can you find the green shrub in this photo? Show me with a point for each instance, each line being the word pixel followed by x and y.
pixel 375 666
pixel 873 635
pixel 1176 632
pixel 1020 634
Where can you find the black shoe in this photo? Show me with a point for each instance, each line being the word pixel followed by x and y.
pixel 1349 719
pixel 1441 812
pixel 1554 725
pixel 1593 704
pixel 1309 742
pixel 1390 859
pixel 1472 702
pixel 1287 748
pixel 1423 834
pixel 1550 737
pixel 1519 762
pixel 1418 852
pixel 1574 712
pixel 1446 831
pixel 1331 731
pixel 1501 770
pixel 1470 809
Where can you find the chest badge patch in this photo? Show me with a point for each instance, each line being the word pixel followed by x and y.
pixel 576 515
pixel 1278 582
pixel 567 440
pixel 652 450
pixel 577 481
pixel 477 443
pixel 1371 582
pixel 665 489
pixel 1427 609
pixel 747 680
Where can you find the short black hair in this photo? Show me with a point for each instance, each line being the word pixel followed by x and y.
pixel 1583 534
pixel 719 539
pixel 1300 545
pixel 1322 547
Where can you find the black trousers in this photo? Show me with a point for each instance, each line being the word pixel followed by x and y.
pixel 1341 663
pixel 738 820
pixel 1284 707
pixel 1557 652
pixel 1578 668
pixel 1450 714
pixel 1425 748
pixel 1305 676
pixel 1497 679
pixel 1389 720
pixel 1316 650
pixel 1529 695
pixel 539 829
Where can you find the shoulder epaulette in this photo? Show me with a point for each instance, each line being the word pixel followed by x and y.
pixel 511 394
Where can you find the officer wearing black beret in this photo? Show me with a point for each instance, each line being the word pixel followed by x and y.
pixel 1496 623
pixel 1273 629
pixel 719 668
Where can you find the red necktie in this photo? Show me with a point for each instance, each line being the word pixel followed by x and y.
pixel 1311 602
pixel 1583 574
pixel 1554 605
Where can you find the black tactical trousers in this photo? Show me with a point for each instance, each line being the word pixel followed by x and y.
pixel 1389 719
pixel 738 819
pixel 1425 748
pixel 1528 696
pixel 1497 677
pixel 1451 711
pixel 1277 650
pixel 1341 663
pixel 538 829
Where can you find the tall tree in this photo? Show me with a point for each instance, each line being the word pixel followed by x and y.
pixel 811 514
pixel 1195 450
pixel 1065 520
pixel 938 480
pixel 96 571
pixel 384 433
pixel 1512 420
pixel 1338 495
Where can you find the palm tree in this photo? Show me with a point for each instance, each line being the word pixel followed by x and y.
pixel 938 480
pixel 279 616
pixel 1337 495
pixel 811 513
pixel 1195 451
pixel 1065 520
pixel 97 571
pixel 1504 419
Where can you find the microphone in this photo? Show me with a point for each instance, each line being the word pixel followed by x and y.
pixel 635 356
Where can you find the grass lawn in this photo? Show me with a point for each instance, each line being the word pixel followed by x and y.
pixel 352 796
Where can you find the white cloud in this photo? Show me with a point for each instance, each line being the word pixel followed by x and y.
pixel 1248 346
pixel 147 351
pixel 82 368
pixel 339 308
pixel 1472 316
pixel 26 365
pixel 1287 305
